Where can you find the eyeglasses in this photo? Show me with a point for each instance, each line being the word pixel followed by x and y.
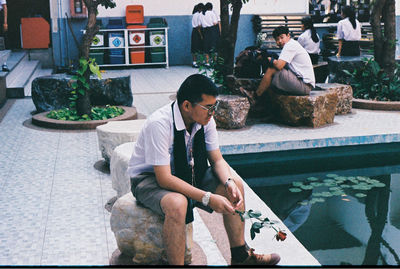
pixel 210 109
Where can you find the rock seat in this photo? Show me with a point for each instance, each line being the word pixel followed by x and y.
pixel 115 133
pixel 344 93
pixel 314 110
pixel 138 232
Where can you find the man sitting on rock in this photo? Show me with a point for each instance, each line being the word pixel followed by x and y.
pixel 170 174
pixel 298 79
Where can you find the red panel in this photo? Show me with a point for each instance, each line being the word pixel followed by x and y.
pixel 134 14
pixel 35 33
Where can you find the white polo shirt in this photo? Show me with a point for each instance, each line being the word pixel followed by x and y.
pixel 209 19
pixel 346 31
pixel 154 145
pixel 196 19
pixel 306 41
pixel 299 61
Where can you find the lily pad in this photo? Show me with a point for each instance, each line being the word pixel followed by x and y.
pixel 379 184
pixel 297 183
pixel 307 187
pixel 335 188
pixel 360 195
pixel 312 178
pixel 332 175
pixel 326 194
pixel 294 190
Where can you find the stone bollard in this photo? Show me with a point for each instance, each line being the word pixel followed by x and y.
pixel 115 133
pixel 118 166
pixel 138 232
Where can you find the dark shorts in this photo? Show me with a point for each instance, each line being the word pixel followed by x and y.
pixel 149 193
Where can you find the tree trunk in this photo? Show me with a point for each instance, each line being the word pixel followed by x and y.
pixel 384 39
pixel 83 105
pixel 229 33
pixel 389 47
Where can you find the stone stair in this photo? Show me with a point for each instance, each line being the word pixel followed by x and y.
pixel 21 70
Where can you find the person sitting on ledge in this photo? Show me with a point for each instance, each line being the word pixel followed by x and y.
pixel 298 79
pixel 170 174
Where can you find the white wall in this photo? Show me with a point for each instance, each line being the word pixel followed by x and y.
pixel 185 7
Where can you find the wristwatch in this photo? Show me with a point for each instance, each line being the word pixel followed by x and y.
pixel 228 181
pixel 206 198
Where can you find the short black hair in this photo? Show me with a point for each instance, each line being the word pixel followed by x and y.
pixel 193 87
pixel 280 30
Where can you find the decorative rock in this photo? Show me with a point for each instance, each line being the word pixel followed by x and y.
pixel 314 110
pixel 118 166
pixel 344 93
pixel 232 111
pixel 115 133
pixel 52 92
pixel 138 232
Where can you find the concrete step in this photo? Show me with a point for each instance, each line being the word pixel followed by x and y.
pixel 4 54
pixel 18 78
pixel 39 72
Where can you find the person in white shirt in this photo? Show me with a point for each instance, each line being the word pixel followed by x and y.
pixel 210 31
pixel 348 33
pixel 309 39
pixel 197 36
pixel 298 79
pixel 170 174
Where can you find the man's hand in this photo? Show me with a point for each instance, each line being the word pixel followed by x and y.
pixel 5 27
pixel 220 204
pixel 234 194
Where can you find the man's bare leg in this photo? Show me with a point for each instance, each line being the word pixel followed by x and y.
pixel 234 226
pixel 174 206
pixel 266 81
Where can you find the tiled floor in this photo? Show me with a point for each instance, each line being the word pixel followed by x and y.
pixel 52 197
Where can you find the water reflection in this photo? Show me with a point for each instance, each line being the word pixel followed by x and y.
pixel 354 230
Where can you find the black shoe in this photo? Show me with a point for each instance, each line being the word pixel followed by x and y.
pixel 4 68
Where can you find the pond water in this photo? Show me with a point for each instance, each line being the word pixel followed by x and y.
pixel 343 217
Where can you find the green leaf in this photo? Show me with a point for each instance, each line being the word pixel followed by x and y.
pixel 256 225
pixel 252 234
pixel 254 214
pixel 294 190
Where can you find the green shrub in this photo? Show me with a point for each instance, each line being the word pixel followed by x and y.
pixel 372 83
pixel 98 113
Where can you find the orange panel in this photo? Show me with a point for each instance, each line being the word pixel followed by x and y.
pixel 137 57
pixel 134 14
pixel 35 33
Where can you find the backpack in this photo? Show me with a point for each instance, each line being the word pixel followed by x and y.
pixel 252 62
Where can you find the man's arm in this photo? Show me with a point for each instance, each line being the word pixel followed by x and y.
pixel 170 182
pixel 223 172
